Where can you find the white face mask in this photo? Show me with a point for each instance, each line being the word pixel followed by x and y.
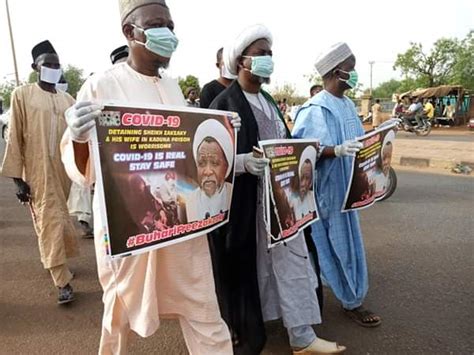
pixel 61 87
pixel 227 74
pixel 49 75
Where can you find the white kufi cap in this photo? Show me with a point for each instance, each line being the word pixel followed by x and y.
pixel 334 56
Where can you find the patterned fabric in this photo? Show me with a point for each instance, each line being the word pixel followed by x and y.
pixel 286 279
pixel 128 6
pixel 335 55
pixel 337 235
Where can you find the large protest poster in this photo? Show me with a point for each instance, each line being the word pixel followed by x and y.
pixel 289 201
pixel 166 174
pixel 370 169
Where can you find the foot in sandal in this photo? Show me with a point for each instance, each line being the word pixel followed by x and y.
pixel 321 346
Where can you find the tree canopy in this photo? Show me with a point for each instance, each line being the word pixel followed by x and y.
pixel 189 81
pixel 288 92
pixel 450 61
pixel 6 89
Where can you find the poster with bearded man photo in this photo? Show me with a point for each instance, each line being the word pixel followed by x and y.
pixel 371 168
pixel 165 174
pixel 289 201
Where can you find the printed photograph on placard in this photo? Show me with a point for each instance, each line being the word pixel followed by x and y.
pixel 291 177
pixel 167 175
pixel 371 169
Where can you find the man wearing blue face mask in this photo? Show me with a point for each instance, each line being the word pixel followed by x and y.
pixel 33 160
pixel 256 284
pixel 331 117
pixel 177 280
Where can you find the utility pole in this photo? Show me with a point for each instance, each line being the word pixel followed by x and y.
pixel 371 63
pixel 13 44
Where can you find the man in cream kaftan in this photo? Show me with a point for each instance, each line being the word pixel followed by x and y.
pixel 176 280
pixel 32 157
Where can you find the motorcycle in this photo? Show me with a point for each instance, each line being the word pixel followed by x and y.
pixel 408 123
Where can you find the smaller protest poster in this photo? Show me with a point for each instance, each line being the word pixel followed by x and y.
pixel 289 201
pixel 164 174
pixel 370 169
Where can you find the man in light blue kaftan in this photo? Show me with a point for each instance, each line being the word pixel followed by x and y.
pixel 331 117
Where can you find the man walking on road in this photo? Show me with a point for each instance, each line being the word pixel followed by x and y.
pixel 176 280
pixel 33 160
pixel 376 114
pixel 254 283
pixel 331 117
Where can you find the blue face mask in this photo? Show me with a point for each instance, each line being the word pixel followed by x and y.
pixel 262 66
pixel 353 78
pixel 159 40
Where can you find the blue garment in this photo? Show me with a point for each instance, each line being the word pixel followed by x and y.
pixel 337 235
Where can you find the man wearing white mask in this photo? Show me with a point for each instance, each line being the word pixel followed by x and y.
pixel 33 160
pixel 213 88
pixel 214 157
pixel 177 280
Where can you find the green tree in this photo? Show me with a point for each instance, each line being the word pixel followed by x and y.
pixel 386 89
pixel 288 92
pixel 189 81
pixel 6 89
pixel 429 68
pixel 463 69
pixel 73 76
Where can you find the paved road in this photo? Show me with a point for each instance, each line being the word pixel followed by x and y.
pixel 444 135
pixel 420 253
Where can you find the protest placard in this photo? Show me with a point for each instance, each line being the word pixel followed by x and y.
pixel 289 201
pixel 165 173
pixel 370 169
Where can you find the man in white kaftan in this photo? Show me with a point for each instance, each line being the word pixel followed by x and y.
pixel 176 280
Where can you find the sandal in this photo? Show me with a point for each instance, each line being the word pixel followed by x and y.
pixel 363 317
pixel 320 346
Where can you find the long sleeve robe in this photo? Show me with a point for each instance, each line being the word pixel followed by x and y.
pixel 253 284
pixel 337 235
pixel 32 153
pixel 176 280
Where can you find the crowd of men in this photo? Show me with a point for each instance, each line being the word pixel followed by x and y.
pixel 231 283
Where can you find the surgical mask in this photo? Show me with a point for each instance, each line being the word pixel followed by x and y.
pixel 159 40
pixel 261 65
pixel 225 73
pixel 49 75
pixel 62 87
pixel 353 78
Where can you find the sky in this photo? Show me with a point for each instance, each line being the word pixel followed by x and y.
pixel 85 32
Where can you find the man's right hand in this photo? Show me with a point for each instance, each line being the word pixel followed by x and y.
pixel 347 149
pixel 255 166
pixel 23 191
pixel 80 119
